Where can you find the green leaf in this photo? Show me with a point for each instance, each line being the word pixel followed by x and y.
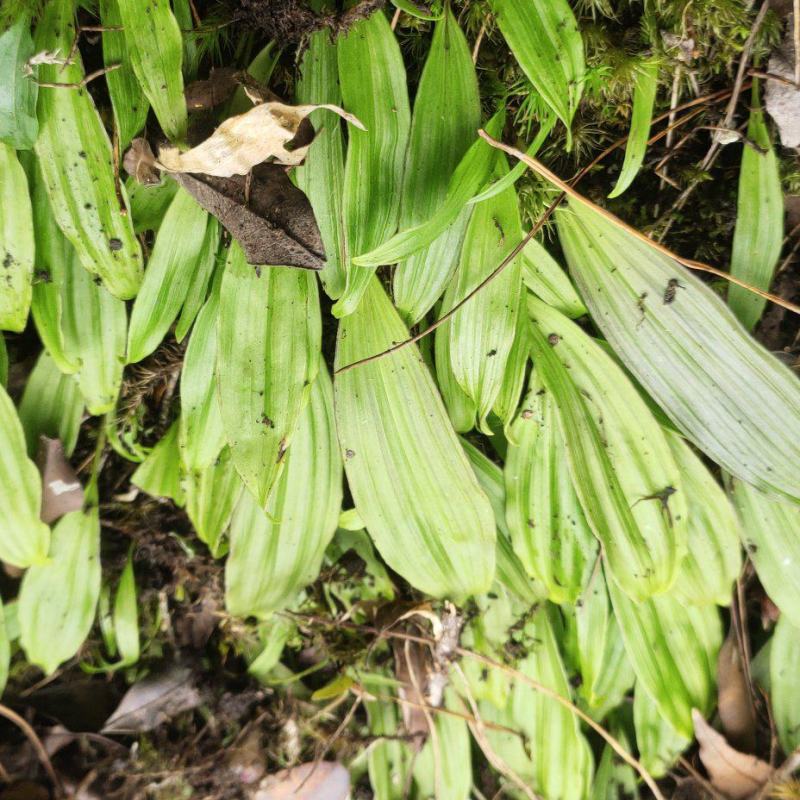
pixel 644 96
pixel 673 649
pixel 172 268
pixel 160 473
pixel 437 144
pixel 5 651
pixel 621 466
pixel 57 599
pixel 410 8
pixel 149 204
pixel 505 406
pixel 322 175
pixel 51 406
pixel 18 124
pixel 211 257
pixel 155 48
pixel 373 170
pixel 411 482
pixel 785 682
pixel 3 361
pixel 16 242
pixel 126 618
pixel 261 68
pixel 758 236
pixel 548 527
pixel 127 98
pixel 274 554
pixel 460 406
pixel 268 354
pixel 658 742
pixel 543 275
pixel 74 153
pixel 769 530
pixel 544 38
pixel 690 355
pixel 23 537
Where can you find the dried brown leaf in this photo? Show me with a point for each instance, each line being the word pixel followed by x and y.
pixel 213 91
pixel 243 141
pixel 322 780
pixel 61 490
pixel 734 702
pixel 140 163
pixel 737 775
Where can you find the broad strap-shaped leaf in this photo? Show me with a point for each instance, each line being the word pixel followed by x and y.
pixel 148 204
pixel 322 175
pixel 543 276
pixel 658 742
pixel 621 465
pixel 510 394
pixel 673 649
pixel 445 123
pixel 770 530
pixel 758 236
pixel 23 537
pixel 154 45
pixel 644 96
pixel 160 473
pixel 784 682
pixel 460 406
pixel 57 599
pixel 18 124
pixel 209 264
pixel 76 161
pixel 274 554
pixel 725 392
pixel 373 82
pixel 411 482
pixel 548 528
pixel 482 331
pixel 267 357
pixel 713 560
pixel 16 242
pixel 544 38
pixel 171 269
pixel 127 98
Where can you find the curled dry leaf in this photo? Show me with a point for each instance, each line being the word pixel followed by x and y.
pixel 737 775
pixel 140 163
pixel 321 780
pixel 61 490
pixel 244 141
pixel 734 702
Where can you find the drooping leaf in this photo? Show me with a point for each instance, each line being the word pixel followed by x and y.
pixel 373 168
pixel 508 398
pixel 23 537
pixel 644 95
pixel 658 742
pixel 18 124
pixel 57 599
pixel 411 482
pixel 154 46
pixel 74 153
pixel 690 354
pixel 460 406
pixel 543 276
pixel 267 357
pixel 785 682
pixel 621 465
pixel 160 473
pixel 16 242
pixel 437 144
pixel 758 236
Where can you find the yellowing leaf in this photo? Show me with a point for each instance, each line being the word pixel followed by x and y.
pixel 785 682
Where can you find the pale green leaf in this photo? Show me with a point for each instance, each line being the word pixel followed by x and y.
pixel 508 398
pixel 658 742
pixel 460 406
pixel 410 8
pixel 543 275
pixel 18 125
pixel 149 204
pixel 207 261
pixel 160 473
pixel 785 682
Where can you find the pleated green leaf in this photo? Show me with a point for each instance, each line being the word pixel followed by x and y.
pixel 644 96
pixel 621 465
pixel 658 742
pixel 770 532
pixel 411 482
pixel 543 276
pixel 322 175
pixel 373 170
pixel 785 682
pixel 18 124
pixel 23 537
pixel 408 7
pixel 210 257
pixel 445 123
pixel 16 242
pixel 482 332
pixel 548 528
pixel 460 406
pixel 758 236
pixel 691 355
pixel 148 204
pixel 127 98
pixel 160 473
pixel 274 554
pixel 505 406
pixel 75 157
pixel 154 45
pixel 544 38
pixel 268 354
pixel 472 172
pixel 713 560
pixel 51 406
pixel 57 599
pixel 171 269
pixel 673 649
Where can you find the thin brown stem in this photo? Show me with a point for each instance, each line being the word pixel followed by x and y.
pixel 81 83
pixel 36 743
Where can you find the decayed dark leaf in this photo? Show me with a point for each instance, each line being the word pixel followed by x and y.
pixel 323 780
pixel 737 775
pixel 213 91
pixel 274 225
pixel 734 702
pixel 154 700
pixel 61 490
pixel 140 163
